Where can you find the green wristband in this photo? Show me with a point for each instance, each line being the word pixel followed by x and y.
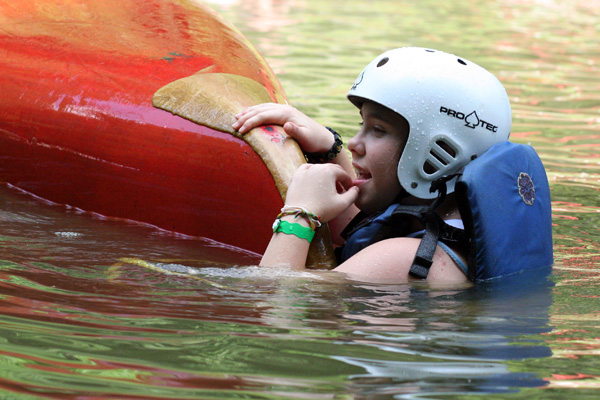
pixel 290 228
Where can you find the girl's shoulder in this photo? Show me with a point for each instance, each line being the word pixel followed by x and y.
pixel 389 260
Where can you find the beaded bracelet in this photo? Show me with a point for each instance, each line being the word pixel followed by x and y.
pixel 319 158
pixel 297 211
pixel 292 228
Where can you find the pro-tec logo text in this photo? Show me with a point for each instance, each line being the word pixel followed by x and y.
pixel 472 120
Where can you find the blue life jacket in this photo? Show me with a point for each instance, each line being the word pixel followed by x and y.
pixel 504 200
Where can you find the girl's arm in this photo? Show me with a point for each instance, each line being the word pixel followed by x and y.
pixel 322 189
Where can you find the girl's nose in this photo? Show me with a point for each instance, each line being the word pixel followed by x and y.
pixel 356 146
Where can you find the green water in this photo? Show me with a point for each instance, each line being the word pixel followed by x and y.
pixel 80 318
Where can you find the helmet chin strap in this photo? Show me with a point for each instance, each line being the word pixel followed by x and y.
pixel 438 185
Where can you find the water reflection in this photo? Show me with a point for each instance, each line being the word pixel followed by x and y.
pixel 181 334
pixel 408 339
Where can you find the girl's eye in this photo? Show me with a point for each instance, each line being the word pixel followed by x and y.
pixel 378 130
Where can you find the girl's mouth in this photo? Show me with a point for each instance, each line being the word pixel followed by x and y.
pixel 361 177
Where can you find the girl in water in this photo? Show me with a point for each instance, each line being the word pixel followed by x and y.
pixel 425 115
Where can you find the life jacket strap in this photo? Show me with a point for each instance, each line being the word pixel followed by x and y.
pixel 433 231
pixel 436 230
pixel 424 257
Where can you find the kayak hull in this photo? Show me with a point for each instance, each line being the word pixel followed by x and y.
pixel 77 125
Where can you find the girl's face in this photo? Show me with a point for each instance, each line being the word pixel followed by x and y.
pixel 376 149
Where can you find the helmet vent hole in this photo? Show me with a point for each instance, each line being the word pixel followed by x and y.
pixel 429 169
pixel 439 158
pixel 447 148
pixel 461 62
pixel 382 62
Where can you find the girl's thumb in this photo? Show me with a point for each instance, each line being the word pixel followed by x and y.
pixel 291 129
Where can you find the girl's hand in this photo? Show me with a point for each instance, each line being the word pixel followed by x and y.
pixel 310 135
pixel 323 189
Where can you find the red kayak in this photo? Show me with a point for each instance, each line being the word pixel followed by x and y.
pixel 78 125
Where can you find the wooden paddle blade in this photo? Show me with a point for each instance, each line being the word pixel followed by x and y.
pixel 213 100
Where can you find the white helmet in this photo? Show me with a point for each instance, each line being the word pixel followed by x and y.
pixel 455 109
